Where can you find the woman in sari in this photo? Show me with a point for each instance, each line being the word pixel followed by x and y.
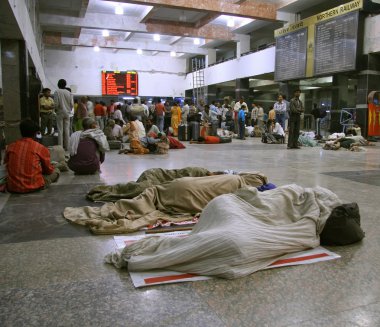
pixel 135 145
pixel 176 118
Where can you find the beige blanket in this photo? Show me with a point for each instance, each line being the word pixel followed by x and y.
pixel 238 233
pixel 185 196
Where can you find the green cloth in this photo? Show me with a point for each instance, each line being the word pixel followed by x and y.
pixel 148 178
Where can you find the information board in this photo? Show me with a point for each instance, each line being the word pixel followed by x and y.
pixel 336 44
pixel 291 55
pixel 120 83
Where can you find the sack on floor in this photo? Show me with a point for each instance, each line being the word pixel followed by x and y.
pixel 343 226
pixel 257 131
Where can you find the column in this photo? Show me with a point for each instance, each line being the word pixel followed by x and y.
pixel 210 57
pixel 243 44
pixel 14 66
pixel 242 90
pixel 210 93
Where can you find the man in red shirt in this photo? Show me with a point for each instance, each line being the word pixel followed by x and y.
pixel 28 162
pixel 160 114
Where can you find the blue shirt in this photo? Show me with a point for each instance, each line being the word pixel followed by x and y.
pixel 241 115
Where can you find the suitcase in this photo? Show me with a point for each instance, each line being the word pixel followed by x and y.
pixel 195 131
pixel 214 128
pixel 182 133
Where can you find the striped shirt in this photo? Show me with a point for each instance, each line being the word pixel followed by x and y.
pixel 26 161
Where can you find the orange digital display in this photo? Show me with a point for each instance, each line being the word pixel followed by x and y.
pixel 120 83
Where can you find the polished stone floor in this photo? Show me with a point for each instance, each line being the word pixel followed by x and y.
pixel 52 273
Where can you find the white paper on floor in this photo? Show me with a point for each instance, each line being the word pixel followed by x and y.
pixel 148 278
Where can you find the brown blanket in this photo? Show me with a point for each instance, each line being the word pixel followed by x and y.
pixel 177 200
pixel 148 178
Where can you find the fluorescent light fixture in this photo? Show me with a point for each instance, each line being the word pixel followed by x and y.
pixel 156 37
pixel 230 22
pixel 139 51
pixel 172 54
pixel 197 41
pixel 105 33
pixel 96 48
pixel 119 10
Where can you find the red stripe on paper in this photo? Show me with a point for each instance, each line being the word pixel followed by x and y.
pixel 291 260
pixel 163 279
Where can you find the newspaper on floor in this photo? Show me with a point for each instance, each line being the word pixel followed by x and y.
pixel 156 277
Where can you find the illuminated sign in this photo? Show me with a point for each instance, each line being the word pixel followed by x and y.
pixel 120 83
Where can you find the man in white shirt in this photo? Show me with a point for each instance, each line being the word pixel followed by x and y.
pixel 280 109
pixel 90 108
pixel 254 112
pixel 63 102
pixel 185 112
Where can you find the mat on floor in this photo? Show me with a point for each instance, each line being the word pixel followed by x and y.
pixel 156 277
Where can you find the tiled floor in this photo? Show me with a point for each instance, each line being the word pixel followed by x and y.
pixel 52 273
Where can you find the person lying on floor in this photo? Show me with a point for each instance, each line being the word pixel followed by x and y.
pixel 87 148
pixel 212 140
pixel 185 197
pixel 148 178
pixel 347 142
pixel 246 231
pixel 28 162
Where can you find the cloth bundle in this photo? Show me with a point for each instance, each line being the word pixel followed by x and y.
pixel 238 234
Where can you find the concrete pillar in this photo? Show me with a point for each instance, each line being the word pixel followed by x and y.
pixel 14 66
pixel 369 80
pixel 242 89
pixel 210 94
pixel 210 57
pixel 243 44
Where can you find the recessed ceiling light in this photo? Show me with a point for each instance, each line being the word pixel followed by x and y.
pixel 172 54
pixel 139 51
pixel 230 22
pixel 105 33
pixel 197 41
pixel 156 37
pixel 96 48
pixel 119 10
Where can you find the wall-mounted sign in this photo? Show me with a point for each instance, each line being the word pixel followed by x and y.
pixel 291 55
pixel 120 83
pixel 330 43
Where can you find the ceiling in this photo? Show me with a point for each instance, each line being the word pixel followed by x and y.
pixel 68 24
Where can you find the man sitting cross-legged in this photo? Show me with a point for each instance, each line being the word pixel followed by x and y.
pixel 28 162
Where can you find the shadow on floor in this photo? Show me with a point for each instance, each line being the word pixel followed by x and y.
pixel 371 177
pixel 38 215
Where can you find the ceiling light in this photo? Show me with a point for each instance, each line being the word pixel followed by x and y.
pixel 105 33
pixel 139 51
pixel 156 37
pixel 197 41
pixel 96 48
pixel 172 54
pixel 230 22
pixel 119 10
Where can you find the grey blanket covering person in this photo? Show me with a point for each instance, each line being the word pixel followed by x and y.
pixel 238 233
pixel 177 200
pixel 148 178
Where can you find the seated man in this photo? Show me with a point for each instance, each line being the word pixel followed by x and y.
pixel 87 148
pixel 278 132
pixel 113 131
pixel 28 162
